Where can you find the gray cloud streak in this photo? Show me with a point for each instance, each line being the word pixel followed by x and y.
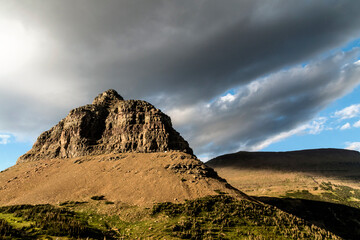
pixel 268 106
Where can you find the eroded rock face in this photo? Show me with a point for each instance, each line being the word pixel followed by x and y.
pixel 109 125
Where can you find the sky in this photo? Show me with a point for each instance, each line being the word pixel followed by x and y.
pixel 254 75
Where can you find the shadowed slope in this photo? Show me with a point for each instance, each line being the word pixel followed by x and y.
pixel 336 218
pixel 328 162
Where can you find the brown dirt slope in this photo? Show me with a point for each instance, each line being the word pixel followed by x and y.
pixel 132 178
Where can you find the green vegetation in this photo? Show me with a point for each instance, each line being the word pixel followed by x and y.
pixel 223 217
pixel 101 197
pixel 335 208
pixel 331 193
pixel 212 217
pixel 7 231
pixel 33 222
pixel 220 192
pixel 71 203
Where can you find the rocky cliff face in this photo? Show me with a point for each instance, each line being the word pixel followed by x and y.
pixel 109 125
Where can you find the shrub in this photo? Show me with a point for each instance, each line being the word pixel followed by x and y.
pixel 100 197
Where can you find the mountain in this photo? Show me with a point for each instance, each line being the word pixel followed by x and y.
pixel 126 150
pixel 109 125
pixel 276 173
pixel 328 162
pixel 116 169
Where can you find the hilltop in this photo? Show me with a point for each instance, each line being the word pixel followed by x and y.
pixel 275 173
pixel 327 161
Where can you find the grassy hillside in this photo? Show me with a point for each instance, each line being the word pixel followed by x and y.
pixel 320 186
pixel 212 217
pixel 337 218
pixel 276 174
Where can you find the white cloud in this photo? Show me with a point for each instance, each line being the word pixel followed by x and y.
pixel 357 124
pixel 277 138
pixel 182 116
pixel 353 146
pixel 314 127
pixel 4 139
pixel 348 112
pixel 228 98
pixel 225 102
pixel 345 126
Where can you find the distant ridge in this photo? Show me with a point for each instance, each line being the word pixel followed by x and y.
pixel 109 125
pixel 309 159
pixel 326 162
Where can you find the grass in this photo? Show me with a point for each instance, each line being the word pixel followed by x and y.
pixel 222 217
pixel 330 193
pixel 335 208
pixel 32 222
pixel 7 231
pixel 212 217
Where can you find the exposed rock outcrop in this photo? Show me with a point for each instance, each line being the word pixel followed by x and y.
pixel 109 125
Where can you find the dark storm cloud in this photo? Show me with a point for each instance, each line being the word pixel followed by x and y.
pixel 145 48
pixel 179 54
pixel 270 108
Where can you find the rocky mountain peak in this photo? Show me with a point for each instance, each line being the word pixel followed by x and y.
pixel 107 97
pixel 109 125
